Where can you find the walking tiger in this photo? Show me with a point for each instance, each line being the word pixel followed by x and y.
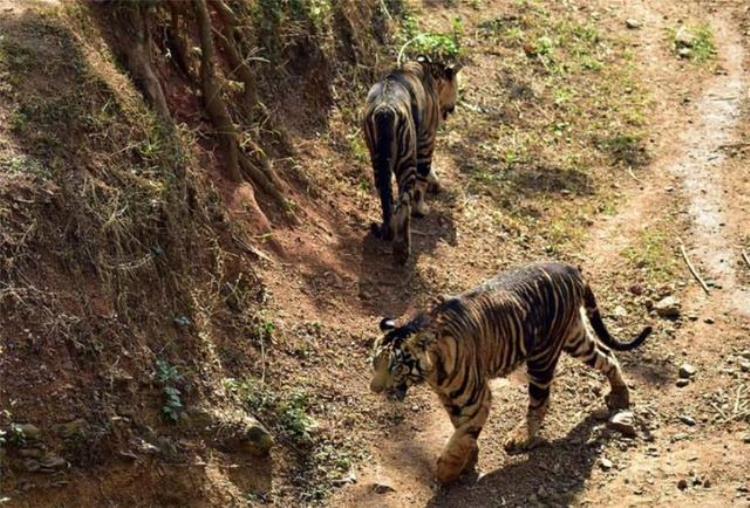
pixel 526 316
pixel 402 116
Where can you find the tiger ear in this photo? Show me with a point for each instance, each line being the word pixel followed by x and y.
pixel 450 72
pixel 387 324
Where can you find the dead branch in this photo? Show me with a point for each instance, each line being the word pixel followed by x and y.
pixel 693 270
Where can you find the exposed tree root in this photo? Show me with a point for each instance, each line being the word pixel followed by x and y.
pixel 138 55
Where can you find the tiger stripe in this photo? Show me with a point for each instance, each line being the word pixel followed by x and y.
pixel 526 316
pixel 401 120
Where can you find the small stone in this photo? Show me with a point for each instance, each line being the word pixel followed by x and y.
pixel 682 383
pixel 668 307
pixel 746 439
pixel 693 317
pixel 633 24
pixel 351 478
pixel 255 438
pixel 29 431
pixel 601 413
pixel 623 422
pixel 685 52
pixel 745 365
pixel 31 465
pixel 707 483
pixel 684 39
pixel 687 371
pixel 687 420
pixel 382 488
pixel 745 354
pixel 636 289
pixel 605 464
pixel 31 453
pixel 649 304
pixel 682 484
pixel 709 321
pixel 619 311
pixel 52 461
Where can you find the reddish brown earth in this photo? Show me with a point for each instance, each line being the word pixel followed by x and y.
pixel 329 275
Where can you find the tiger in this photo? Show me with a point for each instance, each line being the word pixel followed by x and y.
pixel 528 316
pixel 402 116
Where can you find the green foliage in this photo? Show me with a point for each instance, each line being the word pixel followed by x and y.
pixel 169 376
pixel 442 47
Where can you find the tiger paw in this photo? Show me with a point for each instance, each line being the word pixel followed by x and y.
pixel 473 460
pixel 519 440
pixel 618 398
pixel 450 468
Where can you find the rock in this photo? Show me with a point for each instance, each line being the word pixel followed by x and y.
pixel 349 479
pixel 636 289
pixel 745 365
pixel 668 307
pixel 685 52
pixel 687 420
pixel 682 484
pixel 382 488
pixel 649 304
pixel 623 422
pixel 745 354
pixel 687 371
pixel 633 24
pixel 28 431
pixel 31 453
pixel 605 464
pixel 707 483
pixel 601 413
pixel 31 465
pixel 76 427
pixel 52 461
pixel 619 311
pixel 684 39
pixel 746 439
pixel 255 438
pixel 682 383
pixel 709 321
pixel 693 317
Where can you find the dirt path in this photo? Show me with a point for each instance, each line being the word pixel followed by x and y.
pixel 689 171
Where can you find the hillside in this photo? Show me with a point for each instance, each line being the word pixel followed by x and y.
pixel 187 305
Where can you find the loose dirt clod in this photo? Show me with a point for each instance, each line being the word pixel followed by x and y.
pixel 624 423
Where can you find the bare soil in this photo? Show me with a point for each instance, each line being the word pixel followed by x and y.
pixel 328 283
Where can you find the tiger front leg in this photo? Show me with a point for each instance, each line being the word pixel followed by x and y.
pixel 461 452
pixel 524 436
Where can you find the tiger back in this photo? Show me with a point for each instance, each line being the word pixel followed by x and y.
pixel 402 116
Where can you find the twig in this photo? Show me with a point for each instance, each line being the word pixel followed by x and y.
pixel 692 269
pixel 419 233
pixel 744 256
pixel 401 51
pixel 632 175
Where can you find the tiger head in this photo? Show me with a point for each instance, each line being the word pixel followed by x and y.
pixel 399 358
pixel 446 79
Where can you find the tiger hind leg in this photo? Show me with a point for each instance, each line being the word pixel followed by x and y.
pixel 421 209
pixel 524 436
pixel 584 347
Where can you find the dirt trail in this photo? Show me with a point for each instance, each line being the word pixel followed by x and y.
pixel 693 161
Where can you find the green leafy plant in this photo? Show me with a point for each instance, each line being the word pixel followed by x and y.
pixel 169 376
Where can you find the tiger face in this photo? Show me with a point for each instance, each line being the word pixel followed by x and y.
pixel 447 89
pixel 397 361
